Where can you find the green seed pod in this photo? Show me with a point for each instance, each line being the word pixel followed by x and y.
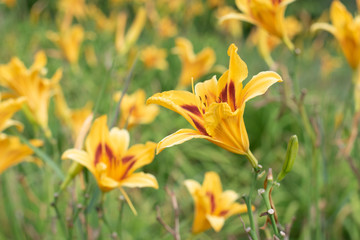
pixel 292 150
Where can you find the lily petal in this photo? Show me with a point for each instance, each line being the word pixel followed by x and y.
pixel 119 141
pixel 99 133
pixel 237 16
pixel 178 137
pixel 323 26
pixel 216 222
pixel 184 103
pixel 140 179
pixel 212 184
pixel 81 157
pixel 192 186
pixel 227 128
pixel 258 85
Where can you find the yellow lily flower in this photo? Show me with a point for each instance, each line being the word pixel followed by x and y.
pixel 30 83
pixel 75 8
pixel 123 42
pixel 230 26
pixel 193 66
pixel 69 40
pixel 267 14
pixel 216 108
pixel 266 43
pixel 166 28
pixel 154 57
pixel 133 110
pixel 7 110
pixel 212 205
pixel 346 30
pixel 102 22
pixel 13 151
pixel 109 159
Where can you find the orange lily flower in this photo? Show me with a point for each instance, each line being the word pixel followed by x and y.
pixel 75 8
pixel 212 205
pixel 193 66
pixel 346 30
pixel 69 40
pixel 30 83
pixel 13 151
pixel 154 57
pixel 216 108
pixel 267 14
pixel 7 110
pixel 134 111
pixel 112 163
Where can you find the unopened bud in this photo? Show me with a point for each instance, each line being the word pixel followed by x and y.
pixel 292 150
pixel 248 229
pixel 270 175
pixel 282 233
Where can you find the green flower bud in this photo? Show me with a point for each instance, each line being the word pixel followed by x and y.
pixel 292 150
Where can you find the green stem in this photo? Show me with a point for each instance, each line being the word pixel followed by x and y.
pixel 266 198
pixel 247 200
pixel 253 161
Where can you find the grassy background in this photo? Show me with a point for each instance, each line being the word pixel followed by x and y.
pixel 27 191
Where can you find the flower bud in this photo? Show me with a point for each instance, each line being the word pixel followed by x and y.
pixel 292 150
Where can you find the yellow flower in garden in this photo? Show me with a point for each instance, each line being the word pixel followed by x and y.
pixel 212 205
pixel 266 42
pixel 76 8
pixel 13 151
pixel 111 161
pixel 267 14
pixel 216 108
pixel 69 40
pixel 193 66
pixel 231 26
pixel 167 28
pixel 133 110
pixel 31 84
pixel 346 30
pixel 102 22
pixel 7 110
pixel 123 42
pixel 154 57
pixel 90 55
pixel 73 118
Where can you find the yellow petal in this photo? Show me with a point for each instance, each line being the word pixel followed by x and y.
pixel 212 184
pixel 230 83
pixel 339 15
pixel 237 16
pixel 258 85
pixel 81 157
pixel 39 61
pixel 140 180
pixel 119 141
pixel 227 128
pixel 237 208
pixel 99 134
pixel 216 222
pixel 206 91
pixel 8 109
pixel 184 103
pixel 323 26
pixel 192 186
pixel 227 198
pixel 142 154
pixel 106 183
pixel 178 137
